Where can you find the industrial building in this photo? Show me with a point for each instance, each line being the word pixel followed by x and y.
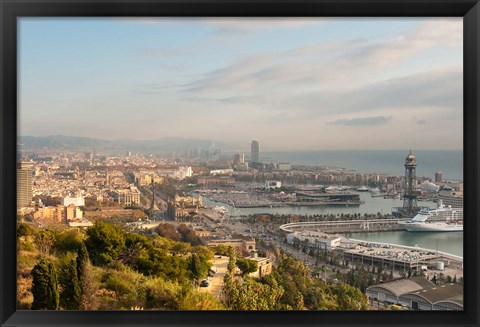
pixel 418 293
pixel 388 255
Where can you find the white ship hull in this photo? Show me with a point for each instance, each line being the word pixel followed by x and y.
pixel 442 219
pixel 432 227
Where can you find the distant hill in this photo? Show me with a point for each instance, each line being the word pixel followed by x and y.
pixel 74 143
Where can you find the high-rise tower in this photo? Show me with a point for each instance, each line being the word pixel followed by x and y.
pixel 152 204
pixel 409 195
pixel 255 148
pixel 24 184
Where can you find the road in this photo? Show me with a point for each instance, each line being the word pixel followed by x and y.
pixel 216 282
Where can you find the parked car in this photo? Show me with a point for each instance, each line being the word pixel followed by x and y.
pixel 204 283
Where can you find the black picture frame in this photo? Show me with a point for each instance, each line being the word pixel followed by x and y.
pixel 10 10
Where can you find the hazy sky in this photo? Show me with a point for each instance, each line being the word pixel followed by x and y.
pixel 291 84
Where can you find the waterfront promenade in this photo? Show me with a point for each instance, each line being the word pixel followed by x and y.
pixel 361 225
pixel 395 255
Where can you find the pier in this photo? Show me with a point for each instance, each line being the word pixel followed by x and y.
pixel 394 256
pixel 296 204
pixel 374 225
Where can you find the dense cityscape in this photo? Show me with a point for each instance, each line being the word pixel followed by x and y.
pixel 240 163
pixel 116 211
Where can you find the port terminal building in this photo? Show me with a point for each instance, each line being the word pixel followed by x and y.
pixel 376 254
pixel 316 239
pixel 312 196
pixel 418 293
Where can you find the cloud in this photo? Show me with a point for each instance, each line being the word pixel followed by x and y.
pixel 436 88
pixel 255 24
pixel 421 122
pixel 439 90
pixel 365 121
pixel 335 64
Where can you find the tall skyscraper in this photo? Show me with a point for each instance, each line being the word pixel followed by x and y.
pixel 438 177
pixel 255 148
pixel 24 184
pixel 238 159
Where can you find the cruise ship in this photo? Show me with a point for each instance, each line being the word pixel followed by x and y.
pixel 442 219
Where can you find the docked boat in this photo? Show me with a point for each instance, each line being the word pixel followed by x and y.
pixel 362 189
pixel 442 219
pixel 220 210
pixel 334 189
pixel 374 190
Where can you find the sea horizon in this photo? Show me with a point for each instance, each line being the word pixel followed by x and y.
pixel 389 162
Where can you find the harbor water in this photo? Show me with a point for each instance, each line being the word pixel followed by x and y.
pixel 371 205
pixel 450 242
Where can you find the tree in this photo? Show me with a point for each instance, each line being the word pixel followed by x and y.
pixel 105 242
pixel 45 286
pixel 82 262
pixel 198 266
pixel 298 301
pixel 441 279
pixel 221 249
pixel 183 230
pixel 85 279
pixel 70 296
pixel 349 298
pixel 168 231
pixel 251 295
pixel 44 240
pixel 192 238
pixel 68 240
pixel 24 230
pixel 89 287
pixel 232 262
pixel 247 266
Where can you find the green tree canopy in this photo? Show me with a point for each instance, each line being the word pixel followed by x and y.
pixel 247 266
pixel 105 242
pixel 349 297
pixel 45 286
pixel 69 240
pixel 70 295
pixel 25 230
pixel 199 266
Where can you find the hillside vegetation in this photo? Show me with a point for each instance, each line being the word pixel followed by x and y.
pixel 107 268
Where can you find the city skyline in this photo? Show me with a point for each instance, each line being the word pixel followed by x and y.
pixel 291 84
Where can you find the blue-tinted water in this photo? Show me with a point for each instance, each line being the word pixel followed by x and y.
pixel 390 162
